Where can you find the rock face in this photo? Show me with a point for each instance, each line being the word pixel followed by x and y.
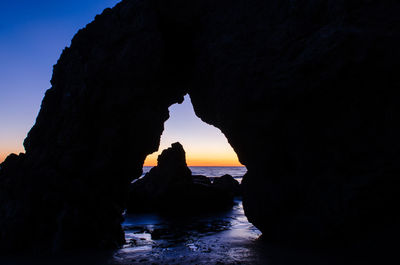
pixel 303 90
pixel 170 188
pixel 228 183
pixel 163 185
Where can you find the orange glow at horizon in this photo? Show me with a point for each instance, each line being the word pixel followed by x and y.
pixel 11 141
pixel 3 157
pixel 4 152
pixel 201 161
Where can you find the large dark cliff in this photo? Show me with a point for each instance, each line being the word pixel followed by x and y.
pixel 305 92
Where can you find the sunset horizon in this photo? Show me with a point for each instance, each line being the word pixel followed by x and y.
pixel 153 163
pixel 204 144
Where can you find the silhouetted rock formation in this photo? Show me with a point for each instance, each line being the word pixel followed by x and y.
pixel 303 90
pixel 228 183
pixel 200 179
pixel 161 186
pixel 170 188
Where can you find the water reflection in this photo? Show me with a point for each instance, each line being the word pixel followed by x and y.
pixel 224 237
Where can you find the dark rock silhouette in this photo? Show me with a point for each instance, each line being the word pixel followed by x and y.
pixel 228 183
pixel 305 92
pixel 170 188
pixel 201 179
pixel 164 184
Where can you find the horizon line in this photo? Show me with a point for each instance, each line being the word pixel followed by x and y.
pixel 202 166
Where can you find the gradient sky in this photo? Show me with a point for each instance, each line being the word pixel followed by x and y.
pixel 32 36
pixel 205 145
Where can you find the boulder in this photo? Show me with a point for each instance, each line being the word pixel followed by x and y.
pixel 169 188
pixel 227 183
pixel 199 179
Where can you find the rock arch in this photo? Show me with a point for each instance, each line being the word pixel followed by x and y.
pixel 302 90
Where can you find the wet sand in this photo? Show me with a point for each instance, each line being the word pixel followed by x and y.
pixel 225 237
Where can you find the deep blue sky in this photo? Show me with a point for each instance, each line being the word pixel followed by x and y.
pixel 32 37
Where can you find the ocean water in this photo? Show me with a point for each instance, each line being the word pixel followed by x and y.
pixel 236 172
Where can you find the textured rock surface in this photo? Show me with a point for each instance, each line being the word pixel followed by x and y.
pixel 170 188
pixel 303 90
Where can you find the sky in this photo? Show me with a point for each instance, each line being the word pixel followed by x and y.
pixel 32 37
pixel 205 145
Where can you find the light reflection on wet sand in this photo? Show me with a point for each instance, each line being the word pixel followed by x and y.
pixel 223 237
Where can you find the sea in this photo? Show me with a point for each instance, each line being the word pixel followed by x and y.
pixel 213 172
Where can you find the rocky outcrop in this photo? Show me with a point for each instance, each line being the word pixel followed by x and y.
pixel 228 183
pixel 170 188
pixel 200 179
pixel 303 90
pixel 163 185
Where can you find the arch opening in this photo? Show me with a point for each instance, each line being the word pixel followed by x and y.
pixel 194 168
pixel 206 146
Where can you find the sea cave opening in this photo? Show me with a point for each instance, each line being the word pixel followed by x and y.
pixel 208 151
